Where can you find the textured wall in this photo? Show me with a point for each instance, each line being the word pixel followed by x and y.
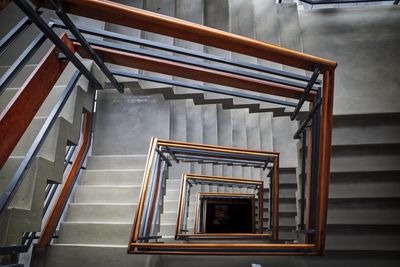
pixel 365 42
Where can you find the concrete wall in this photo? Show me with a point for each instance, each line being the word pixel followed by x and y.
pixel 366 44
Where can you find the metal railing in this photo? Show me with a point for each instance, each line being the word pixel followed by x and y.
pixel 146 237
pixel 267 81
pixel 190 180
pixel 329 2
pixel 35 101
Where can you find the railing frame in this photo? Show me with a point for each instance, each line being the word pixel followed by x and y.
pixel 322 111
pixel 186 179
pixel 177 149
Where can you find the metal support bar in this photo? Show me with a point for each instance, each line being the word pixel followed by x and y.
pixel 16 180
pixel 303 177
pixel 328 2
pixel 82 40
pixel 396 2
pixel 149 237
pixel 201 87
pixel 10 37
pixel 209 154
pixel 191 62
pixel 50 198
pixel 164 157
pixel 15 68
pixel 303 98
pixel 172 154
pixel 50 34
pixel 310 116
pixel 202 160
pixel 186 52
pixel 314 168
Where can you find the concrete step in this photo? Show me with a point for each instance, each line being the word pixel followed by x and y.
pixel 178 120
pixel 210 135
pixel 169 217
pixel 173 184
pixel 91 213
pixel 66 255
pixel 225 134
pixel 364 185
pixel 169 229
pixel 239 138
pixel 116 162
pixel 253 139
pixel 365 158
pixel 170 206
pixel 364 211
pixel 189 11
pixel 125 31
pixel 366 129
pixel 106 194
pixel 111 177
pixel 266 29
pixel 285 191
pixel 287 176
pixel 216 15
pixel 241 22
pixel 266 131
pixel 290 34
pixel 94 233
pixel 162 7
pixel 194 129
pixel 363 237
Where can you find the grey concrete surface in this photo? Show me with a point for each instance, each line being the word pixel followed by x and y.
pixel 364 192
pixel 364 42
pixel 126 123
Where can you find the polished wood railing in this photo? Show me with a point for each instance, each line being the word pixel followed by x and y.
pixel 23 107
pixel 255 184
pixel 20 112
pixel 117 13
pixel 179 151
pixel 200 220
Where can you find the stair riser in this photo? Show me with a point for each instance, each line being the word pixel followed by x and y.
pixel 95 233
pixel 116 162
pixel 116 177
pixel 101 213
pixel 92 194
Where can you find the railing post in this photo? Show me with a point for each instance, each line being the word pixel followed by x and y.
pixel 324 159
pixel 275 199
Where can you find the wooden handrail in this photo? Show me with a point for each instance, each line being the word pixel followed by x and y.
pixel 62 198
pixel 189 176
pixel 222 178
pixel 149 21
pixel 226 195
pixel 324 161
pixel 20 111
pixel 143 191
pixel 275 199
pixel 171 143
pixel 224 245
pixel 194 73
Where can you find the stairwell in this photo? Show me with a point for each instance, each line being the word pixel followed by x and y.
pixel 363 216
